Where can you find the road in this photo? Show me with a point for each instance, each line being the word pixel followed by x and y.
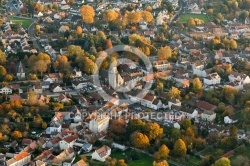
pixel 31 32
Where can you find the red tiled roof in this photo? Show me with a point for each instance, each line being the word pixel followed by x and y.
pixel 205 105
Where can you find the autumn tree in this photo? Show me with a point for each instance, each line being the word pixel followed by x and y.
pixel 149 8
pixel 180 148
pixel 79 30
pixel 207 160
pixel 186 123
pixel 16 135
pixel 37 28
pixel 162 153
pixel 243 15
pixel 2 57
pixel 197 85
pixel 233 44
pixel 161 163
pixel 199 143
pixel 109 44
pixel 87 13
pixel 222 162
pixel 32 98
pixel 210 12
pixel 63 63
pixel 174 93
pixel 89 65
pixel 74 51
pixel 147 16
pixel 39 66
pixel 110 161
pixel 164 53
pixel 44 125
pixel 139 140
pixel 122 162
pixel 134 17
pixel 3 71
pixel 110 15
pixel 117 126
pixel 134 125
pixel 160 87
pixel 241 160
pixel 153 131
pixel 191 23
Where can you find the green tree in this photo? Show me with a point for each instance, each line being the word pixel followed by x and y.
pixel 222 162
pixel 186 123
pixel 180 149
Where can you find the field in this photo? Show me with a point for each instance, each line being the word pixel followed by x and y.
pixel 24 22
pixel 184 18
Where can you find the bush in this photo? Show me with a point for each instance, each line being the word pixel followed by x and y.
pixel 135 155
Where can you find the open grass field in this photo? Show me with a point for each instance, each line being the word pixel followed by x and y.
pixel 184 18
pixel 24 22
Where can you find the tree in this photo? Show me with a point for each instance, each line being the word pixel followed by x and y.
pixel 243 15
pixel 79 30
pixel 174 93
pixel 160 87
pixel 134 17
pixel 32 98
pixel 16 135
pixel 87 13
pixel 162 153
pixel 74 51
pixel 199 143
pixel 117 126
pixel 44 125
pixel 3 71
pixel 180 148
pixel 164 53
pixel 207 160
pixel 229 69
pixel 222 162
pixel 134 125
pixel 37 29
pixel 197 85
pixel 110 15
pixel 153 131
pixel 32 59
pixel 210 12
pixel 2 57
pixel 241 160
pixel 5 129
pixel 40 66
pixel 109 44
pixel 89 66
pixel 63 63
pixel 233 134
pixel 191 23
pixel 149 8
pixel 186 123
pixel 233 44
pixel 147 16
pixel 161 163
pixel 110 162
pixel 139 140
pixel 122 162
pixel 220 17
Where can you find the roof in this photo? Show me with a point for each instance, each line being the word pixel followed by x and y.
pixel 55 140
pixel 205 105
pixel 21 155
pixel 26 141
pixel 149 97
pixel 81 163
pixel 103 151
pixel 71 138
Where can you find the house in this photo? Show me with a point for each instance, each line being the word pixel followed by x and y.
pixel 174 116
pixel 20 159
pixel 63 98
pixel 208 116
pixel 189 113
pixel 161 65
pixel 76 73
pixel 236 84
pixel 53 142
pixel 175 102
pixel 56 88
pixel 230 119
pixel 26 142
pixel 212 79
pixel 41 142
pixel 235 76
pixel 5 90
pixel 205 106
pixel 102 153
pixel 80 163
pixel 68 142
pixel 79 84
pixel 150 101
pixel 99 124
pixel 37 88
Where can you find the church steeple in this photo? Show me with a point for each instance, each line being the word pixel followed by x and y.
pixel 20 68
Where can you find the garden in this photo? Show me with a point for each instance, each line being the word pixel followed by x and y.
pixel 25 23
pixel 185 17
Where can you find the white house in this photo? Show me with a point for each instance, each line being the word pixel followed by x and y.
pixel 5 90
pixel 99 124
pixel 212 79
pixel 102 153
pixel 236 84
pixel 189 113
pixel 208 116
pixel 230 119
pixel 235 76
pixel 161 65
pixel 68 142
pixel 79 84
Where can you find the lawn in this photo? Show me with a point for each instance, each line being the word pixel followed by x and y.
pixel 24 22
pixel 184 18
pixel 144 160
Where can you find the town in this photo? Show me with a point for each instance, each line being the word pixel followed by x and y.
pixel 124 83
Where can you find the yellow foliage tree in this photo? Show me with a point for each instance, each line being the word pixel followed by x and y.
pixel 162 153
pixel 147 16
pixel 180 148
pixel 87 13
pixel 134 17
pixel 79 30
pixel 153 131
pixel 161 163
pixel 164 53
pixel 16 135
pixel 110 15
pixel 139 140
pixel 174 93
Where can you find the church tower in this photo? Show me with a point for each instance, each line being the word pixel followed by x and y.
pixel 20 71
pixel 115 79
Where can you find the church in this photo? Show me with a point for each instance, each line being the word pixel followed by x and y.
pixel 111 77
